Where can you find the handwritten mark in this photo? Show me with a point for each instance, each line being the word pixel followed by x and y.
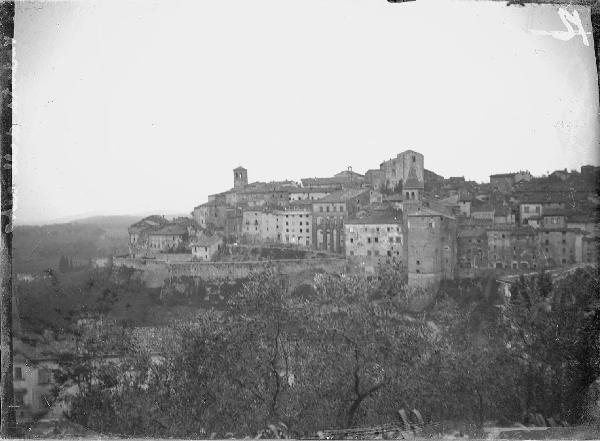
pixel 568 20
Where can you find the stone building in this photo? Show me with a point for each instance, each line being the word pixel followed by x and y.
pixel 375 238
pixel 530 210
pixel 138 231
pixel 214 212
pixel 330 214
pixel 341 180
pixel 505 182
pixel 154 234
pixel 311 193
pixel 258 225
pixel 585 221
pixel 560 246
pixel 290 225
pixel 512 247
pixel 554 218
pixel 589 249
pixel 205 247
pixel 240 177
pixel 296 225
pixel 472 248
pixel 412 186
pixel 262 194
pixel 396 170
pixel 432 247
pixel 375 178
pixel 503 215
pixel 170 237
pixel 33 384
pixel 483 211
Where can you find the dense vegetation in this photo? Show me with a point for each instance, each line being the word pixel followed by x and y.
pixel 348 351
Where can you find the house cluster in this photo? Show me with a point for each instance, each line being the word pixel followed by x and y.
pixel 429 226
pixel 156 237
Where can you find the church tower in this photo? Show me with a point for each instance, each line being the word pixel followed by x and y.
pixel 240 177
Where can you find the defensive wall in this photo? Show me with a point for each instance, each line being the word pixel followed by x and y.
pixel 155 272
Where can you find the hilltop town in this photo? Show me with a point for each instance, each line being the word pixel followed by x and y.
pixel 429 227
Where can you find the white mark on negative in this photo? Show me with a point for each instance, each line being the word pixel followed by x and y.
pixel 568 20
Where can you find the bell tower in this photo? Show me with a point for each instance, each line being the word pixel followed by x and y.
pixel 240 177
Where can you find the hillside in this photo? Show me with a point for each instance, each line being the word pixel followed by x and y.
pixel 36 248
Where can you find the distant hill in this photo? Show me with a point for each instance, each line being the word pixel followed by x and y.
pixel 113 225
pixel 39 247
pixel 36 248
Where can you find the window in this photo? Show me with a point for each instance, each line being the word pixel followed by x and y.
pixel 414 159
pixel 376 252
pixel 368 240
pixel 328 209
pixel 352 253
pixel 341 208
pixel 369 253
pixel 389 253
pixel 321 209
pixel 351 240
pixel 418 262
pixel 19 397
pixel 376 240
pixel 44 376
pixel 18 373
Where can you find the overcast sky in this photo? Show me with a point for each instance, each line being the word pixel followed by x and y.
pixel 130 107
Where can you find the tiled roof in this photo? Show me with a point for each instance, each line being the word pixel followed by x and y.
pixel 379 217
pixel 205 241
pixel 427 212
pixel 169 230
pixel 307 182
pixel 343 195
pixel 312 189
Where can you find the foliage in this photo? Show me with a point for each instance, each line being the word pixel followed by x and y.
pixel 347 352
pixel 554 333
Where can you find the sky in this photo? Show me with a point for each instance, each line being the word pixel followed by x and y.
pixel 125 107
